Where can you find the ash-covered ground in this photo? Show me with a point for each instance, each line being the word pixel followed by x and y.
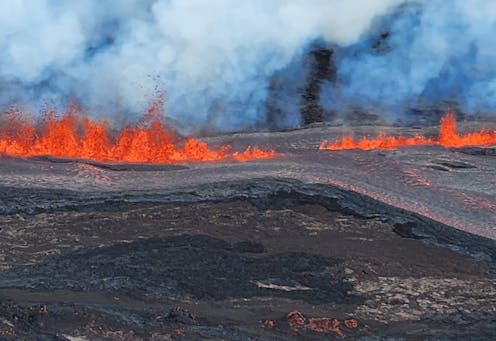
pixel 308 245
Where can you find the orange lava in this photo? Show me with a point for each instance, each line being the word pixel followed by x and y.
pixel 73 136
pixel 448 137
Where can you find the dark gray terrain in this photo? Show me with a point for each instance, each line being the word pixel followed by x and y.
pixel 309 245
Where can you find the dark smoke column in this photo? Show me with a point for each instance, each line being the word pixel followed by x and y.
pixel 323 69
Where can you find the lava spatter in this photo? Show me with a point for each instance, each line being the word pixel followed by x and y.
pixel 149 141
pixel 448 137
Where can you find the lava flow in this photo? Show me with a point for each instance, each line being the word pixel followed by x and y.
pixel 448 137
pixel 74 137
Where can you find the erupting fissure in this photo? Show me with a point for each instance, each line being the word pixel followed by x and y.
pixel 448 137
pixel 72 136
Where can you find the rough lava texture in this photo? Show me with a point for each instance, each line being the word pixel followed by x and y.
pixel 311 245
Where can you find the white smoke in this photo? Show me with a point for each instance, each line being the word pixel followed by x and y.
pixel 437 51
pixel 213 58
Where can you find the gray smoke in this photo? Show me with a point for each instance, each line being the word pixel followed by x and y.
pixel 214 59
pixel 430 52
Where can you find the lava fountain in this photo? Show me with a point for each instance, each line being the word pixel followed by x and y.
pixel 73 136
pixel 448 137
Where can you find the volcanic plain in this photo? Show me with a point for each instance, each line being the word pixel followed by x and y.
pixel 311 244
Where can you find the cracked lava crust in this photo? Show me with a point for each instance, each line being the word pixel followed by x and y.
pixel 307 245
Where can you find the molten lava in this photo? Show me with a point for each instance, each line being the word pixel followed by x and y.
pixel 71 136
pixel 448 137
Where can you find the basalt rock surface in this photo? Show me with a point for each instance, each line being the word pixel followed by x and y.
pixel 305 246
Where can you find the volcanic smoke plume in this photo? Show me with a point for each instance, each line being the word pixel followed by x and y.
pixel 213 59
pixel 254 65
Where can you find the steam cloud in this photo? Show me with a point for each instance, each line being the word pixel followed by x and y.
pixel 215 59
pixel 212 58
pixel 432 51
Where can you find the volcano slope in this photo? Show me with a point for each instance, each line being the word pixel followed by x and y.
pixel 308 245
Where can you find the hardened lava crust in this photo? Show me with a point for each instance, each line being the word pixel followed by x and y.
pixel 311 244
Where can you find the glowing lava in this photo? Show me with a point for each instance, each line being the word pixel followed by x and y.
pixel 71 136
pixel 448 137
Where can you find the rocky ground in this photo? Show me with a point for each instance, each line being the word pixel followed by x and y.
pixel 233 271
pixel 378 245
